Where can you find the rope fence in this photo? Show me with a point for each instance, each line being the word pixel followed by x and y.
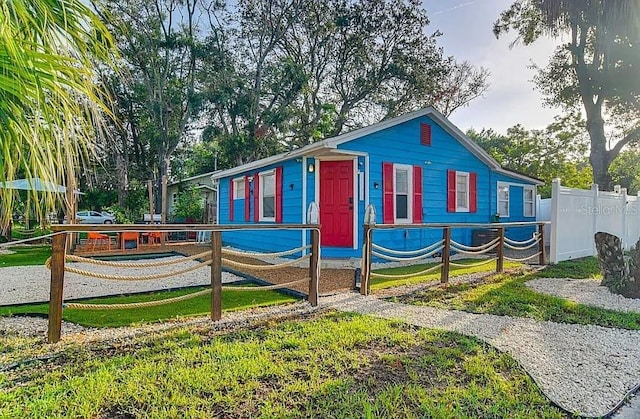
pixel 58 266
pixel 445 247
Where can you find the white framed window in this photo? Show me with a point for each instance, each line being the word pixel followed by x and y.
pixel 268 196
pixel 403 193
pixel 503 199
pixel 529 196
pixel 238 188
pixel 462 192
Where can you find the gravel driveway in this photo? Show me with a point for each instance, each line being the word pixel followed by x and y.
pixel 29 284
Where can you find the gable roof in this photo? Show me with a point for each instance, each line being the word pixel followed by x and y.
pixel 334 142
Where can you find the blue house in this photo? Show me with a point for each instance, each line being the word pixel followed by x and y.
pixel 415 168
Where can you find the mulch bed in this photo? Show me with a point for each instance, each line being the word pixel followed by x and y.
pixel 331 280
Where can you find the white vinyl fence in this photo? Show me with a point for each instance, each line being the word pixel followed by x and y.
pixel 577 214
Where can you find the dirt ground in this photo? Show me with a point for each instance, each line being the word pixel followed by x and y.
pixel 331 280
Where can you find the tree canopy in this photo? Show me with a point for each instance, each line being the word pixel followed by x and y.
pixel 212 85
pixel 558 151
pixel 595 68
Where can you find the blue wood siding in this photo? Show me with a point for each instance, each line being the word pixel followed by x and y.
pixel 516 206
pixel 399 144
pixel 265 240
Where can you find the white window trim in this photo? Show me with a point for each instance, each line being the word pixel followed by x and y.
pixel 261 176
pixel 410 193
pixel 468 177
pixel 235 182
pixel 531 188
pixel 508 186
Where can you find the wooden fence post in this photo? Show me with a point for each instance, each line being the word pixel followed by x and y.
pixel 163 219
pixel 58 251
pixel 313 267
pixel 216 275
pixel 500 251
pixel 542 248
pixel 365 276
pixel 446 250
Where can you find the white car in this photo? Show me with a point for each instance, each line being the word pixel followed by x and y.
pixel 94 217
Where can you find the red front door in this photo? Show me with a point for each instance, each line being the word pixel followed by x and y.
pixel 336 203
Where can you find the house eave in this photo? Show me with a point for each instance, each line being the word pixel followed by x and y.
pixel 204 175
pixel 520 176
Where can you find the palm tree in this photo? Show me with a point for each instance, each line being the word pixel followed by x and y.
pixel 51 107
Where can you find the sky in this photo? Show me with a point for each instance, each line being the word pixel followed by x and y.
pixel 467 35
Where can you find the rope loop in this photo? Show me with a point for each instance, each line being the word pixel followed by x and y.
pixel 477 252
pixel 241 265
pixel 124 306
pixel 267 287
pixel 523 259
pixel 407 252
pixel 132 277
pixel 474 248
pixel 275 254
pixel 536 237
pixel 403 276
pixel 472 265
pixel 136 264
pixel 509 246
pixel 408 259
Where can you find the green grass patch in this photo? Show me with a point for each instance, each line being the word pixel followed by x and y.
pixel 381 283
pixel 198 306
pixel 25 256
pixel 336 365
pixel 508 295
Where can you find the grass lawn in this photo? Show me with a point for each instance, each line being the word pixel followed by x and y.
pixel 198 306
pixel 333 365
pixel 507 294
pixel 25 256
pixel 380 283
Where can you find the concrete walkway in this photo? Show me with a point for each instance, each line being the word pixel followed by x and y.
pixel 586 370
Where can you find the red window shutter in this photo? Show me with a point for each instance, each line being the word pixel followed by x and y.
pixel 387 184
pixel 278 202
pixel 256 197
pixel 451 191
pixel 231 199
pixel 473 192
pixel 425 134
pixel 417 194
pixel 247 198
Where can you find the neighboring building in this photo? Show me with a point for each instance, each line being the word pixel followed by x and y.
pixel 415 168
pixel 207 189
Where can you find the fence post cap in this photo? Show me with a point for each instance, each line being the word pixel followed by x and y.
pixel 313 213
pixel 370 215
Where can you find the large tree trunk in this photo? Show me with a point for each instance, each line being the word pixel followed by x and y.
pixel 599 157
